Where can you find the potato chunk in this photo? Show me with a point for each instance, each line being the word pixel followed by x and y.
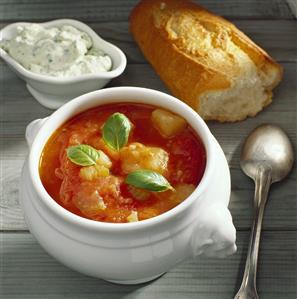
pixel 89 203
pixel 133 217
pixel 167 123
pixel 101 169
pixel 103 160
pixel 138 156
pixel 92 172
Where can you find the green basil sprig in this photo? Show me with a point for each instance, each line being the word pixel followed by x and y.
pixel 149 180
pixel 82 154
pixel 116 131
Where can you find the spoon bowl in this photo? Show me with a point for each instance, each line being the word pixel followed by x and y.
pixel 267 145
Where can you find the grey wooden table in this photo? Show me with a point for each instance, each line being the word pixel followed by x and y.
pixel 28 272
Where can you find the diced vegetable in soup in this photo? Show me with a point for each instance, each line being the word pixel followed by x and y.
pixel 138 156
pixel 167 123
pixel 122 163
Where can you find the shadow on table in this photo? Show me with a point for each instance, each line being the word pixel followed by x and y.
pixel 27 271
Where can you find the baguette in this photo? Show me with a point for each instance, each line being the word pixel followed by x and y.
pixel 204 59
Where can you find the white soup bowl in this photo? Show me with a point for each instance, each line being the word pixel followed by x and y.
pixel 130 253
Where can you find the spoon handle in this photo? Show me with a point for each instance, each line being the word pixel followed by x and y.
pixel 248 287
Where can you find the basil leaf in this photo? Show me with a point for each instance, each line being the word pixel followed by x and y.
pixel 149 180
pixel 116 131
pixel 82 154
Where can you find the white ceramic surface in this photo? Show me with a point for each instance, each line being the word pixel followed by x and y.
pixel 129 253
pixel 52 92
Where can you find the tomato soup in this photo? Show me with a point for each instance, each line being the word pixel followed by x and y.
pixel 122 162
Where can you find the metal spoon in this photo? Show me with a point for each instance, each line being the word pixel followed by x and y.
pixel 267 157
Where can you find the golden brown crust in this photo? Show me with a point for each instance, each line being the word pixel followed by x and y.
pixel 169 62
pixel 165 30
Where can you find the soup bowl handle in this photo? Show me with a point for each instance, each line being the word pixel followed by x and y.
pixel 214 234
pixel 32 129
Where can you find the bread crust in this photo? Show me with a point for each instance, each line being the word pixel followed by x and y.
pixel 190 73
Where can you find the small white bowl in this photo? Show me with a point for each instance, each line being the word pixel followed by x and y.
pixel 130 253
pixel 53 92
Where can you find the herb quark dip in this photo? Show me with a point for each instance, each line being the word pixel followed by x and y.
pixel 57 51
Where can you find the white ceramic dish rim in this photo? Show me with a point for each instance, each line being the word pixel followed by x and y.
pixel 35 152
pixel 60 80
